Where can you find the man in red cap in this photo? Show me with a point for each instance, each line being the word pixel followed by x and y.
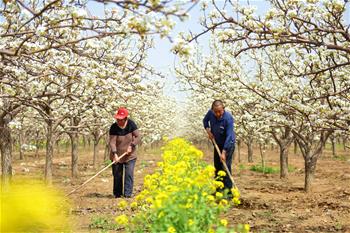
pixel 123 137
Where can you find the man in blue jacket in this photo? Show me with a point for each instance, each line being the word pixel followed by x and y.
pixel 219 125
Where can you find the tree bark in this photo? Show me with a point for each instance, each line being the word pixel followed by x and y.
pixel 284 140
pixel 284 162
pixel 311 151
pixel 333 146
pixel 49 152
pixel 74 137
pixel 84 142
pixel 250 151
pixel 20 143
pixel 295 147
pixel 74 143
pixel 57 145
pixel 310 167
pixel 107 149
pixel 6 152
pixel 262 155
pixel 239 150
pixel 95 154
pixel 37 144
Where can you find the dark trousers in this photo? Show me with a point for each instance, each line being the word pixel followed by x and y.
pixel 220 167
pixel 117 170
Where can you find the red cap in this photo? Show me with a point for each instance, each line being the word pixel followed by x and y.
pixel 121 113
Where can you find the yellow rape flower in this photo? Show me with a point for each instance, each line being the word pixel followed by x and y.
pixel 122 205
pixel 30 206
pixel 219 184
pixel 133 205
pixel 246 227
pixel 235 192
pixel 190 222
pixel 210 171
pixel 210 197
pixel 219 195
pixel 236 201
pixel 211 230
pixel 222 173
pixel 122 220
pixel 171 229
pixel 223 222
pixel 223 202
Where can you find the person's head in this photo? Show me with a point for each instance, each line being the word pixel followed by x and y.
pixel 121 116
pixel 218 108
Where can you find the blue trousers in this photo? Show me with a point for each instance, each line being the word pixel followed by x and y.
pixel 220 167
pixel 117 170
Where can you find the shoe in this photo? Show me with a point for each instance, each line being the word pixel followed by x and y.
pixel 117 196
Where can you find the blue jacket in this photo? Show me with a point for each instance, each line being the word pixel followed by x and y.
pixel 222 129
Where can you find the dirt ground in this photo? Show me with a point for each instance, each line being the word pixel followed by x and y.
pixel 269 204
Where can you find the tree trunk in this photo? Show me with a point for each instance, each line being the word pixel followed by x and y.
pixel 344 143
pixel 20 143
pixel 284 140
pixel 66 145
pixel 74 143
pixel 6 152
pixel 84 142
pixel 284 162
pixel 310 167
pixel 95 152
pixel 57 145
pixel 106 153
pixel 49 153
pixel 239 150
pixel 311 151
pixel 262 155
pixel 333 147
pixel 295 147
pixel 107 149
pixel 250 151
pixel 37 145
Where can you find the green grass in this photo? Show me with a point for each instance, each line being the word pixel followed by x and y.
pixel 242 167
pixel 106 162
pixel 144 164
pixel 100 222
pixel 340 158
pixel 268 170
pixel 338 146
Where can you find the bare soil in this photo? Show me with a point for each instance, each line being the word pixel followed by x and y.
pixel 269 204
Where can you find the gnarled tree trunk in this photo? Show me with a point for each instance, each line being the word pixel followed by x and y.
pixel 311 151
pixel 6 151
pixel 49 152
pixel 250 150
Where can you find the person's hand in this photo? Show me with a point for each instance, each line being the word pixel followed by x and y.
pixel 129 150
pixel 210 134
pixel 115 158
pixel 223 156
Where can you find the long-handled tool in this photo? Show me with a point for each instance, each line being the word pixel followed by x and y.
pixel 87 181
pixel 224 163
